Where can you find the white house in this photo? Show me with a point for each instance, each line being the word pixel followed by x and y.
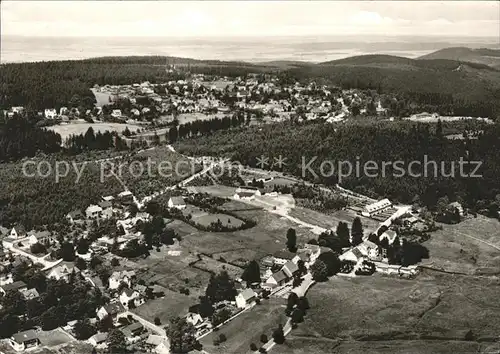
pixel 128 294
pixel 457 206
pixel 112 309
pixel 244 298
pixel 98 338
pixel 62 272
pixel 370 250
pixel 117 113
pixel 126 196
pixel 254 190
pixel 377 207
pixel 93 211
pixel 278 278
pixel 176 202
pixel 132 331
pixel 195 319
pixel 290 269
pixel 107 209
pixel 282 257
pixel 353 255
pixel 29 294
pixel 74 216
pixel 6 279
pixel 17 232
pixel 121 277
pixel 50 113
pixel 244 196
pixel 24 340
pixel 367 249
pixel 390 235
pixel 158 344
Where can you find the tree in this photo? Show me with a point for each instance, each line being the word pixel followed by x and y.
pixel 220 316
pixel 279 335
pixel 251 274
pixel 291 240
pixel 263 338
pixel 115 262
pixel 439 129
pixel 182 336
pixel 38 248
pixel 205 309
pixel 297 315
pixel 356 232
pixel 67 251
pixel 84 330
pixel 157 321
pixel 331 261
pixel 303 303
pixel 106 324
pixel 116 342
pixel 220 287
pixel 319 271
pixel 291 302
pixel 253 347
pixel 82 247
pixel 80 263
pixel 173 134
pixel 302 267
pixel 342 232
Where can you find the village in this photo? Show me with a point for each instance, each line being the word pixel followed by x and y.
pixel 153 107
pixel 148 261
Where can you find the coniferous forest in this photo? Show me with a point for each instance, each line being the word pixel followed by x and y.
pixel 380 143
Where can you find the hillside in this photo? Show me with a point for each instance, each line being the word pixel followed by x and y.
pixel 463 81
pixel 485 56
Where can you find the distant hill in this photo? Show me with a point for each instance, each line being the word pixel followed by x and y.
pixel 388 73
pixel 286 64
pixel 485 56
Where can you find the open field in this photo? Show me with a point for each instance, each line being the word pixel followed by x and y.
pixel 331 220
pixel 432 306
pixel 458 248
pixel 306 345
pixel 226 220
pixel 192 267
pixel 54 337
pixel 247 328
pixel 191 117
pixel 206 219
pixel 217 265
pixel 102 98
pixel 77 128
pixel 171 305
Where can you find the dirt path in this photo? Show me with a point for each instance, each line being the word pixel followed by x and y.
pixel 478 239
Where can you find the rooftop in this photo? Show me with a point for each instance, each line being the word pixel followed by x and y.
pixel 247 294
pixel 25 336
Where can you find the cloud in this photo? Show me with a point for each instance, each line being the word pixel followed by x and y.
pixel 369 18
pixel 248 18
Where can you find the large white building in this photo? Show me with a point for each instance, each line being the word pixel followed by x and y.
pixel 377 207
pixel 50 113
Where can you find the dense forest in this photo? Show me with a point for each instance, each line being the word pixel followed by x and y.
pixel 21 137
pixel 381 142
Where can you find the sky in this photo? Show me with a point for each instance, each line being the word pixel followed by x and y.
pixel 244 18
